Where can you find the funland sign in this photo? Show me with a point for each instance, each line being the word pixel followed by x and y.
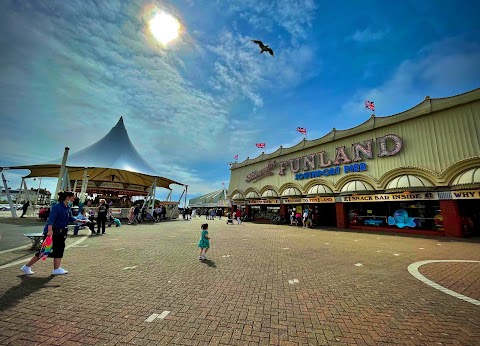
pixel 309 163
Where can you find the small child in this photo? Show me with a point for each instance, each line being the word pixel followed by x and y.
pixel 117 222
pixel 204 243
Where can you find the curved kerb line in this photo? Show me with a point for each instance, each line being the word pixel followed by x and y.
pixel 28 259
pixel 413 269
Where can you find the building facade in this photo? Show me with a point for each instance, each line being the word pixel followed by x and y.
pixel 417 171
pixel 216 200
pixel 35 196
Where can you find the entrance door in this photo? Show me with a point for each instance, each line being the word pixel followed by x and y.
pixel 326 214
pixel 470 215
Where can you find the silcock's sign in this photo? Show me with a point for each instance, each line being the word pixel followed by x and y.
pixel 305 167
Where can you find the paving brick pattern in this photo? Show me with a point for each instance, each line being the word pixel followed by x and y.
pixel 245 298
pixel 463 278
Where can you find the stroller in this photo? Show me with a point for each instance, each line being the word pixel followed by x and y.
pixel 229 219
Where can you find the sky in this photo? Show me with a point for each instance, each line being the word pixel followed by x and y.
pixel 70 69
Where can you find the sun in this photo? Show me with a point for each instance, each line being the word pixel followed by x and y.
pixel 164 27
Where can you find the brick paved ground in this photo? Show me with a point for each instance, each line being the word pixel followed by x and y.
pixel 463 278
pixel 242 295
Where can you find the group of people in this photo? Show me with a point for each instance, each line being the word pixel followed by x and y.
pixel 306 219
pixel 210 214
pixel 61 215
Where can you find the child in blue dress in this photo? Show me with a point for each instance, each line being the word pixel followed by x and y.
pixel 204 243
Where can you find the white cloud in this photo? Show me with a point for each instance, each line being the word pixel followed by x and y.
pixel 442 69
pixel 368 35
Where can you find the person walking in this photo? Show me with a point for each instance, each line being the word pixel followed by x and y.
pixel 204 243
pixel 102 215
pixel 25 207
pixel 60 216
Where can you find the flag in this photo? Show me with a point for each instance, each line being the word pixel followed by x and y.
pixel 260 145
pixel 236 157
pixel 370 105
pixel 302 130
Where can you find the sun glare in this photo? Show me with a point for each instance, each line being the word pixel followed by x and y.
pixel 164 27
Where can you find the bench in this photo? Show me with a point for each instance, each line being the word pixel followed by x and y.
pixel 36 238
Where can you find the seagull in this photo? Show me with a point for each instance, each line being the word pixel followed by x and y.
pixel 263 47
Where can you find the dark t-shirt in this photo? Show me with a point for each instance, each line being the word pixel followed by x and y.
pixel 102 210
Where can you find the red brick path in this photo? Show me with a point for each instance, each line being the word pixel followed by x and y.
pixel 246 298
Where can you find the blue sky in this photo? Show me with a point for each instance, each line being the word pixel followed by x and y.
pixel 70 69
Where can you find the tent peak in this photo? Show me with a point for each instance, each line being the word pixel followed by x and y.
pixel 120 122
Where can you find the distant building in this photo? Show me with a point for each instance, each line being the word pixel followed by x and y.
pixel 34 195
pixel 216 199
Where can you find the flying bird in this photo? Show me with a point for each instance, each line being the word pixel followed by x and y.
pixel 264 48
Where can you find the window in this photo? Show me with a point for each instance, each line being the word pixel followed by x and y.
pixel 423 215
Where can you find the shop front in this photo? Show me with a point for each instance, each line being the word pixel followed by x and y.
pixel 322 209
pixel 395 173
pixel 400 212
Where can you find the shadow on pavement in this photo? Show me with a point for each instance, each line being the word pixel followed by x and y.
pixel 27 286
pixel 210 263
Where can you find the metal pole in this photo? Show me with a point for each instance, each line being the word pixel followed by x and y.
pixel 62 172
pixel 186 191
pixel 19 194
pixel 68 186
pixel 38 191
pixel 83 190
pixel 154 186
pixel 9 197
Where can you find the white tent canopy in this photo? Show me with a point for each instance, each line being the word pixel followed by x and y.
pixel 112 159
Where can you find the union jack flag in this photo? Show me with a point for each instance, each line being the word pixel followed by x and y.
pixel 260 145
pixel 236 157
pixel 302 130
pixel 370 105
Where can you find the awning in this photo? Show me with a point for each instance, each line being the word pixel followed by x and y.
pixel 270 194
pixel 238 196
pixel 97 174
pixel 467 179
pixel 291 191
pixel 357 186
pixel 252 195
pixel 409 182
pixel 320 189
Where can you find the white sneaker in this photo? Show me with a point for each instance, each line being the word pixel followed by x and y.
pixel 26 270
pixel 59 271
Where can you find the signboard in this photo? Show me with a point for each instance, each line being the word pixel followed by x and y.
pixel 309 200
pixel 466 194
pixel 265 201
pixel 316 165
pixel 111 185
pixel 224 203
pixel 136 188
pixel 116 210
pixel 392 197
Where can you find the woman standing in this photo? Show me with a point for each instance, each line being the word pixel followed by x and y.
pixel 60 216
pixel 102 215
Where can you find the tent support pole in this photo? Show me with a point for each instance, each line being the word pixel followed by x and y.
pixel 83 190
pixel 75 187
pixel 66 181
pixel 154 186
pixel 9 196
pixel 186 191
pixel 20 193
pixel 38 191
pixel 169 196
pixel 61 174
